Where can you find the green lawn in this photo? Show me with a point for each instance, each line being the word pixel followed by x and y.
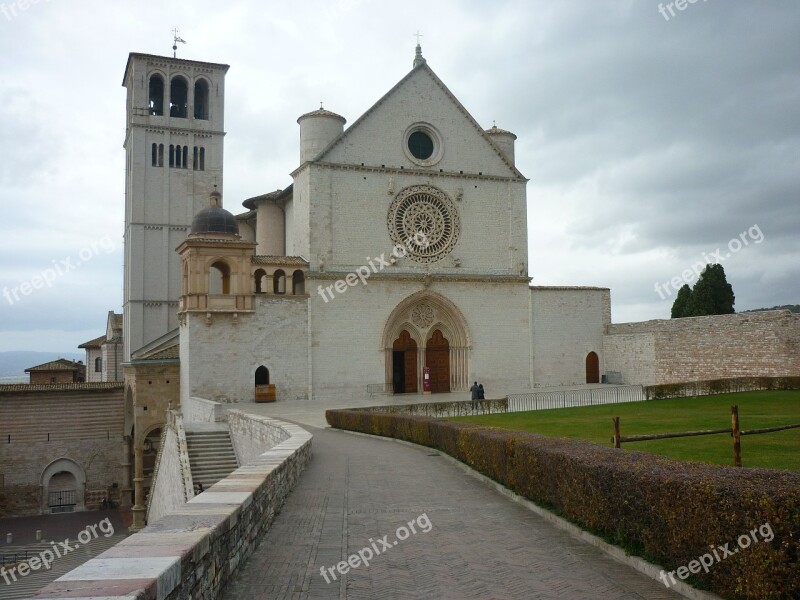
pixel 780 450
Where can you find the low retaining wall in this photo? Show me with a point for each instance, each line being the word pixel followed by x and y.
pixel 250 438
pixel 194 551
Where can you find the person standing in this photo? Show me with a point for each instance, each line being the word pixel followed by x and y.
pixel 475 390
pixel 481 393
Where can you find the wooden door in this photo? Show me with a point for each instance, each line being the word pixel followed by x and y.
pixel 437 358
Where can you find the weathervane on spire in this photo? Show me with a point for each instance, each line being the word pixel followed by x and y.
pixel 418 35
pixel 175 39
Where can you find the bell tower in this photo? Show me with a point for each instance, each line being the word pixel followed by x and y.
pixel 173 156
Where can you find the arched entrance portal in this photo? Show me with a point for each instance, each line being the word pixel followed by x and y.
pixel 592 368
pixel 404 364
pixel 426 329
pixel 63 485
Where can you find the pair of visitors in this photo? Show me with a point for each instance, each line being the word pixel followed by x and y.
pixel 478 393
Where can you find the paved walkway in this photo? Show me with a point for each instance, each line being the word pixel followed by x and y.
pixel 479 544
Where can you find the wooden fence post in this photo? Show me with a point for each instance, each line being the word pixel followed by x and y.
pixel 616 432
pixel 737 438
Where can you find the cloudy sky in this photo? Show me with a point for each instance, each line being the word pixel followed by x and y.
pixel 652 141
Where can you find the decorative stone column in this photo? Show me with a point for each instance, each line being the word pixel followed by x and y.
pixel 126 490
pixel 138 507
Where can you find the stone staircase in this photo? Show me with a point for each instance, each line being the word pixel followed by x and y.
pixel 211 456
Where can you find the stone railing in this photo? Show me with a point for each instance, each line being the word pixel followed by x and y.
pixel 193 551
pixel 200 410
pixel 172 465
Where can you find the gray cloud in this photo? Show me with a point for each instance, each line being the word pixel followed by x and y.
pixel 648 142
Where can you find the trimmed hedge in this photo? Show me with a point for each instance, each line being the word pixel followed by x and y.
pixel 668 511
pixel 712 387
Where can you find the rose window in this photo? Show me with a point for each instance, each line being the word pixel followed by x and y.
pixel 425 222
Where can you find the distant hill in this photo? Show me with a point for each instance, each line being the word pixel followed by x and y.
pixel 14 363
pixel 795 308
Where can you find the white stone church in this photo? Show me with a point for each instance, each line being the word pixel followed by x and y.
pixel 398 251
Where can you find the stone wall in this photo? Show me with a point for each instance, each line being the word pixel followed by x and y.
pixel 172 479
pixel 567 324
pixel 195 550
pixel 761 344
pixel 200 410
pixel 250 438
pixel 219 358
pixel 79 426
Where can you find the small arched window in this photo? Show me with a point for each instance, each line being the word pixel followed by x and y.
pixel 202 158
pixel 185 157
pixel 154 152
pixel 219 278
pixel 201 99
pixel 259 276
pixel 262 375
pixel 298 283
pixel 161 155
pixel 98 365
pixel 279 282
pixel 156 95
pixel 172 155
pixel 178 98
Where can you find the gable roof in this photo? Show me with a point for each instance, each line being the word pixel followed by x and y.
pixel 423 67
pixel 95 343
pixel 61 364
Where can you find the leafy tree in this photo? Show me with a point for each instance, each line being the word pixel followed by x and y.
pixel 711 295
pixel 681 304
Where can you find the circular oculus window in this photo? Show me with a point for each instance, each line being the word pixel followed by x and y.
pixel 423 144
pixel 424 221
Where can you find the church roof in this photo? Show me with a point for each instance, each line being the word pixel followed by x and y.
pixel 495 130
pixel 263 259
pixel 321 112
pixel 251 203
pixel 60 387
pixel 171 352
pixel 421 66
pixel 214 220
pixel 95 343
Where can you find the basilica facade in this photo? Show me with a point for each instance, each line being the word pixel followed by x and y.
pixel 396 260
